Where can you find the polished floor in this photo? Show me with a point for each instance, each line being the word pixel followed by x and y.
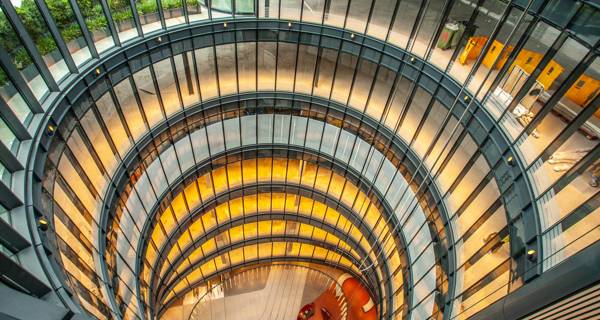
pixel 275 292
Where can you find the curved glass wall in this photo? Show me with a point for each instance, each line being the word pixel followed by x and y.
pixel 159 78
pixel 532 64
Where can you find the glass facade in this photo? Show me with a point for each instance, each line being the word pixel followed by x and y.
pixel 427 147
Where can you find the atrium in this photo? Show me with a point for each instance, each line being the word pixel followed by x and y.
pixel 299 159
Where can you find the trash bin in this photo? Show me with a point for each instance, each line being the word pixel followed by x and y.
pixel 449 32
pixel 457 35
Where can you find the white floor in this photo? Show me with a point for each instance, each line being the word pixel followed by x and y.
pixel 276 292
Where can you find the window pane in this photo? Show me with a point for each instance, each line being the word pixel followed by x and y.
pixel 21 59
pixel 149 17
pixel 123 17
pixel 173 11
pixel 70 30
pixel 97 24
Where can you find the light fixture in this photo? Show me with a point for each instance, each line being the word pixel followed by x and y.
pixel 352 36
pixel 97 71
pixel 466 98
pixel 224 24
pixel 511 161
pixel 413 60
pixel 289 24
pixel 50 130
pixel 43 224
pixel 159 39
pixel 532 255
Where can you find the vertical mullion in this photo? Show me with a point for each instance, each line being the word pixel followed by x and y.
pixel 161 14
pixel 110 22
pixel 87 35
pixel 136 18
pixel 574 172
pixel 12 122
pixel 512 56
pixel 573 126
pixel 17 79
pixel 558 43
pixel 15 21
pixel 8 159
pixel 186 14
pixel 571 79
pixel 60 43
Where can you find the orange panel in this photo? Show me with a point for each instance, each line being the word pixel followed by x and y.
pixel 528 60
pixel 493 53
pixel 583 91
pixel 550 73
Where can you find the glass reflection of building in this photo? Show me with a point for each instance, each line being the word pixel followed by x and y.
pixel 444 153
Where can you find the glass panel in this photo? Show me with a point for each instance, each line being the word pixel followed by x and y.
pixel 205 62
pixel 113 124
pixel 70 30
pixel 526 61
pixel 173 12
pixel 38 32
pixel 475 37
pixel 20 58
pixel 167 86
pixel 427 26
pixel 324 69
pixel 313 10
pixel 186 76
pixel 197 10
pixel 286 66
pixel 381 18
pixel 358 15
pixel 147 92
pixel 226 65
pixel 14 100
pixel 335 12
pixel 7 137
pixel 404 22
pixel 290 9
pixel 244 7
pixel 344 77
pixel 221 8
pixel 122 16
pixel 552 76
pixel 266 65
pixel 246 64
pixel 130 108
pixel 307 56
pixel 97 24
pixel 149 17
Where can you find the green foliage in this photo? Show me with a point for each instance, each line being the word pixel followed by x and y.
pixel 22 58
pixel 123 15
pixel 71 32
pixel 147 6
pixel 63 15
pixel 171 4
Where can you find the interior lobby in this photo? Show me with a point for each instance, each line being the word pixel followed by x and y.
pixel 299 159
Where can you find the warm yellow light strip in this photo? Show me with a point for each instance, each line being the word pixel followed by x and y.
pixel 277 170
pixel 268 170
pixel 289 249
pixel 258 230
pixel 245 206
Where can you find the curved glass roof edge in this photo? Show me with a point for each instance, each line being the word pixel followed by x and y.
pixel 520 165
pixel 301 152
